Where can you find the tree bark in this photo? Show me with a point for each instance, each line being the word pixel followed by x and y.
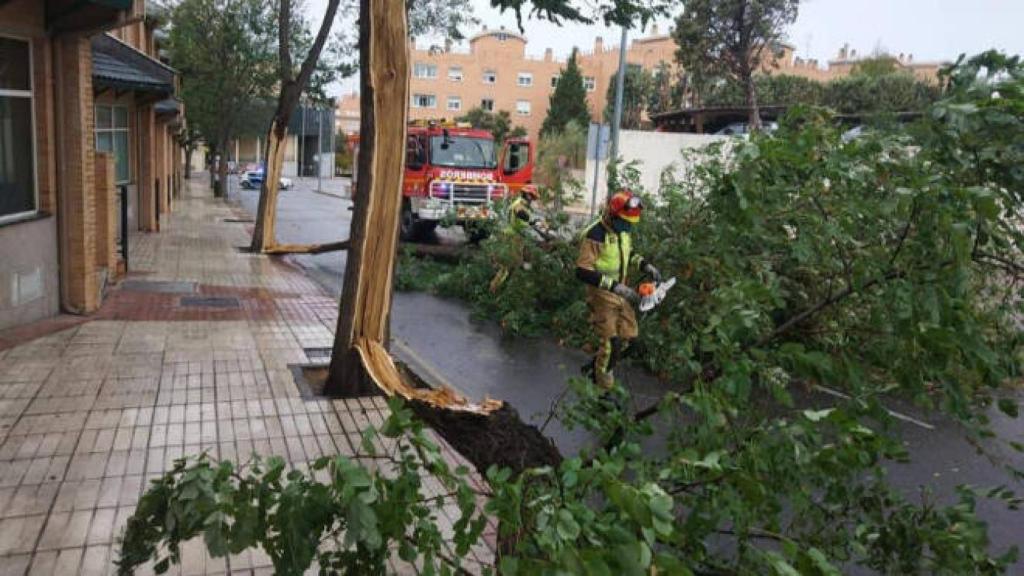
pixel 220 189
pixel 188 161
pixel 211 165
pixel 366 296
pixel 264 236
pixel 750 90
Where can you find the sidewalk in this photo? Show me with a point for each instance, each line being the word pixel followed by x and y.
pixel 191 352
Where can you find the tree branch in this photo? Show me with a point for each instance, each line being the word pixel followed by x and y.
pixel 284 41
pixel 318 45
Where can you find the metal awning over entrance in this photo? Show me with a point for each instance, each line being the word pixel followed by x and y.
pixel 119 67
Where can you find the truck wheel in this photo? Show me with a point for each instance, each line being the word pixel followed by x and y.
pixel 406 223
pixel 476 233
pixel 412 229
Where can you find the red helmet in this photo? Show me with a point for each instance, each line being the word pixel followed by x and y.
pixel 625 205
pixel 530 191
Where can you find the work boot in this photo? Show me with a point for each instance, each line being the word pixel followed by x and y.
pixel 587 370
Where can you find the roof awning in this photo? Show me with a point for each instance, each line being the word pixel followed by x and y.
pixel 167 107
pixel 118 66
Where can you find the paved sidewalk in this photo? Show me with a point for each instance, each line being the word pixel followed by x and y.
pixel 190 353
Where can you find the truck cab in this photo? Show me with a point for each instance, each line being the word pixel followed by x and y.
pixel 454 175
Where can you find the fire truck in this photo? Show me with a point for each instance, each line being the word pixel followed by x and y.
pixel 454 175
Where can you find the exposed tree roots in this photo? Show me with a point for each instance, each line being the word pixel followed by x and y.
pixel 499 438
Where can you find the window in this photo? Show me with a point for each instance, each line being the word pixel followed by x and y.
pixel 424 70
pixel 589 83
pixel 454 103
pixel 17 143
pixel 554 80
pixel 487 104
pixel 112 136
pixel 490 76
pixel 462 152
pixel 523 107
pixel 524 79
pixel 424 101
pixel 455 73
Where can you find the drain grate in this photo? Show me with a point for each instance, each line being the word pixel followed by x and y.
pixel 238 220
pixel 211 301
pixel 161 286
pixel 317 353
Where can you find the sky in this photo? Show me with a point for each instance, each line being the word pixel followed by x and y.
pixel 928 29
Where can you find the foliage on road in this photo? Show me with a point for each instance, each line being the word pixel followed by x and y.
pixel 339 513
pixel 888 267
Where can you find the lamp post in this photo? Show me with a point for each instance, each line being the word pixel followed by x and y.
pixel 620 83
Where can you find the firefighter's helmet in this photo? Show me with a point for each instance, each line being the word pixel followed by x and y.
pixel 624 204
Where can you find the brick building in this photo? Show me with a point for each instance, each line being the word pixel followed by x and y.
pixel 496 73
pixel 86 109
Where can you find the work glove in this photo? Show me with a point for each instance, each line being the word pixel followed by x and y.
pixel 626 292
pixel 654 273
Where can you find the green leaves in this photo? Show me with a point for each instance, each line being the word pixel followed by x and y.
pixel 295 516
pixel 880 269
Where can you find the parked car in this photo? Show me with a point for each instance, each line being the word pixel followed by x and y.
pixel 254 179
pixel 741 129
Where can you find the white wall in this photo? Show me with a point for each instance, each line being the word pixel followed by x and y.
pixel 655 151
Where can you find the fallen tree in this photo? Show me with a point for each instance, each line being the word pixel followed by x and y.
pixel 884 266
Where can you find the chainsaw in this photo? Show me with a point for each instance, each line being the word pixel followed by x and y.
pixel 652 294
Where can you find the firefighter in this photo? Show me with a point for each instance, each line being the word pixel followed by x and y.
pixel 520 211
pixel 606 255
pixel 521 220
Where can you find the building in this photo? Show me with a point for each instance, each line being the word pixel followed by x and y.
pixel 346 118
pixel 495 73
pixel 309 127
pixel 87 118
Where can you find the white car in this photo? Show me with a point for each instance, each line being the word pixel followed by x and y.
pixel 252 179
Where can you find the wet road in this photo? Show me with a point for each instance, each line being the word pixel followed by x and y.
pixel 439 338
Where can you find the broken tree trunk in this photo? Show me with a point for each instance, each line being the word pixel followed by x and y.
pixel 280 249
pixel 366 294
pixel 264 237
pixel 486 433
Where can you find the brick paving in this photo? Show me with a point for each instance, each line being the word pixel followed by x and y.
pixel 92 409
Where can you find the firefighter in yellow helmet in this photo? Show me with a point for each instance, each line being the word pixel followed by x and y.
pixel 522 224
pixel 605 259
pixel 520 211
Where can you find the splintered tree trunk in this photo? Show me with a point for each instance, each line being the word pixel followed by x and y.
pixel 264 237
pixel 366 296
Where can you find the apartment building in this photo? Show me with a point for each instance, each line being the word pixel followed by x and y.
pixel 86 110
pixel 495 73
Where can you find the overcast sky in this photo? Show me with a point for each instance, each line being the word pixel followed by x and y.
pixel 928 29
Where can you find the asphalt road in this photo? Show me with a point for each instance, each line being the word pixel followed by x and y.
pixel 439 338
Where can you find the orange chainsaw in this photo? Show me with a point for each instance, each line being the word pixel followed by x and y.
pixel 651 293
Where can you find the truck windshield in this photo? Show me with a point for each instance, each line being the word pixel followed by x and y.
pixel 462 152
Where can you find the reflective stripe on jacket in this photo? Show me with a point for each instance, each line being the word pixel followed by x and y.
pixel 606 252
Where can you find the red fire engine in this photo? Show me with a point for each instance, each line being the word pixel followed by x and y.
pixel 453 174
